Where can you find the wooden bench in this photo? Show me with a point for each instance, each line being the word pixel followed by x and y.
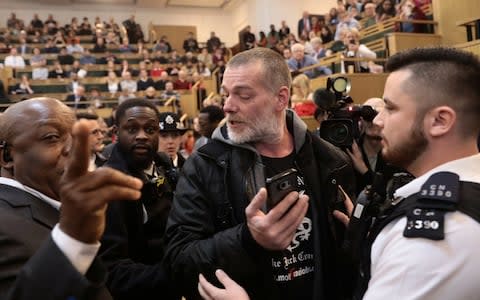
pixel 472 46
pixel 398 41
pixel 469 24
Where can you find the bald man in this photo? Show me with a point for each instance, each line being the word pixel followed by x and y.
pixel 366 152
pixel 48 254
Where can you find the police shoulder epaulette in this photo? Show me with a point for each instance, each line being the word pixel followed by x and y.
pixel 426 217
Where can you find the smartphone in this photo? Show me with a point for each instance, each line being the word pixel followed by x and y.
pixel 280 186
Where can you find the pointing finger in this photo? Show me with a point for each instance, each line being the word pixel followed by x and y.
pixel 77 164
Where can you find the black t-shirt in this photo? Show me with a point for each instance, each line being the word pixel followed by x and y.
pixel 293 268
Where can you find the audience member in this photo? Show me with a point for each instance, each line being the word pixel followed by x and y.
pixel 208 120
pixel 38 63
pixel 64 57
pixel 190 44
pixel 370 14
pixel 169 93
pixel 248 38
pixel 127 83
pixel 14 60
pixel 299 60
pixel 77 99
pixel 304 24
pixel 213 42
pixel 144 81
pixel 95 141
pixel 23 87
pixel 385 10
pixel 182 83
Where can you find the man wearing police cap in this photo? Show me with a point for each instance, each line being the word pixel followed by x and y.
pixel 132 245
pixel 171 133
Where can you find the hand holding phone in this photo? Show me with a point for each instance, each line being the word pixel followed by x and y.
pixel 280 185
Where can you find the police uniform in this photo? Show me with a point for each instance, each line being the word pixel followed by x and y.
pixel 410 259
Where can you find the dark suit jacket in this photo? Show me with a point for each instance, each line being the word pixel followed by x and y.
pixel 33 267
pixel 71 98
pixel 301 26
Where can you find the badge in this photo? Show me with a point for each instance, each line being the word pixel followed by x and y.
pixel 425 223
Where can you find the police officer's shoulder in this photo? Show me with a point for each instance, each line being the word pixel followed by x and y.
pixel 426 215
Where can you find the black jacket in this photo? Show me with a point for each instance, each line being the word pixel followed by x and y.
pixel 207 227
pixel 131 249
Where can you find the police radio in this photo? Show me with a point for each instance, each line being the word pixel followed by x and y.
pixel 367 207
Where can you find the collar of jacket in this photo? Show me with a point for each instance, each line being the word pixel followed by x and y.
pixel 41 211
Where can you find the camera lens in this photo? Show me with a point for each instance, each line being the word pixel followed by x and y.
pixel 339 133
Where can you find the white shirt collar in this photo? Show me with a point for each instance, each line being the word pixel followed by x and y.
pixel 13 183
pixel 467 168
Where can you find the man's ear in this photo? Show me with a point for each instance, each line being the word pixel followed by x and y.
pixel 283 98
pixel 440 120
pixel 115 129
pixel 6 160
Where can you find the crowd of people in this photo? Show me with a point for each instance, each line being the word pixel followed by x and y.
pixel 76 57
pixel 203 227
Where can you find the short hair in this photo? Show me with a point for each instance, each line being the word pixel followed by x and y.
pixel 275 70
pixel 443 76
pixel 316 40
pixel 134 102
pixel 85 115
pixel 215 113
pixel 297 47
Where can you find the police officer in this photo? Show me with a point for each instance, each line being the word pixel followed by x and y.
pixel 424 246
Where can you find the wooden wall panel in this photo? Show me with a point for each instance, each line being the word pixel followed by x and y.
pixel 175 34
pixel 448 12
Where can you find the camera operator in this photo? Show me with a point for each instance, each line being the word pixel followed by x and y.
pixel 132 245
pixel 356 50
pixel 424 246
pixel 366 154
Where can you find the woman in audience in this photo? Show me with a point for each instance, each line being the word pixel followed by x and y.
pixel 113 83
pixel 302 96
pixel 58 71
pixel 23 87
pixel 205 58
pixel 59 39
pixel 356 50
pixel 262 39
pixel 203 70
pixel 385 10
pixel 326 34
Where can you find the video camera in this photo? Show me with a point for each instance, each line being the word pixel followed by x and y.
pixel 341 127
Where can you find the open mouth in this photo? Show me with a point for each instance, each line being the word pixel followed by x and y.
pixel 141 149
